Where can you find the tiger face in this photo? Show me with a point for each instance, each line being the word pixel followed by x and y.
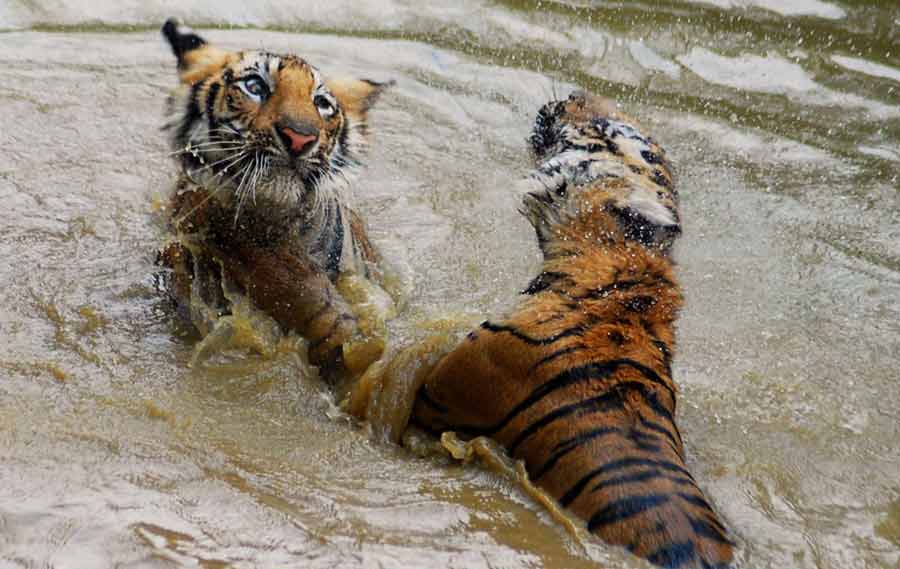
pixel 262 124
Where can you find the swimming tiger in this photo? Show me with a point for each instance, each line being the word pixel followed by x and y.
pixel 577 380
pixel 265 145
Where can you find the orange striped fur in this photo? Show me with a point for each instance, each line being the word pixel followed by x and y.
pixel 577 379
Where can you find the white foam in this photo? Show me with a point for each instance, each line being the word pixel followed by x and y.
pixel 867 67
pixel 197 12
pixel 652 61
pixel 784 7
pixel 762 74
pixel 775 74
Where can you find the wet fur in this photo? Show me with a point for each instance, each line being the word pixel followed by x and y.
pixel 247 206
pixel 577 379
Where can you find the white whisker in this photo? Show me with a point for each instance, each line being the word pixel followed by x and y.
pixel 241 195
pixel 234 158
pixel 207 148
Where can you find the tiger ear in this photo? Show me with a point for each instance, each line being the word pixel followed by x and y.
pixel 356 96
pixel 196 58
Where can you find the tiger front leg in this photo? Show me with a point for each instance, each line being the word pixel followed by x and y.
pixel 465 391
pixel 387 392
pixel 299 296
pixel 372 307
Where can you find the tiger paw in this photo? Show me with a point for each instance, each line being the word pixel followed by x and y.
pixel 386 393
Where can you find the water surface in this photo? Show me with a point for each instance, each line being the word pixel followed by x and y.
pixel 783 121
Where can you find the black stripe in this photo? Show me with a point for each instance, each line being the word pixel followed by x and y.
pixel 698 501
pixel 652 281
pixel 191 114
pixel 333 259
pixel 572 376
pixel 211 106
pixel 640 303
pixel 569 445
pixel 579 486
pixel 497 328
pixel 710 531
pixel 427 400
pixel 621 510
pixel 651 157
pixel 554 355
pixel 640 477
pixel 650 425
pixel 673 555
pixel 636 227
pixel 660 179
pixel 601 403
pixel 712 520
pixel 605 291
pixel 227 79
pixel 614 399
pixel 658 408
pixel 645 442
pixel 545 280
pixel 701 503
pixel 343 138
pixel 642 438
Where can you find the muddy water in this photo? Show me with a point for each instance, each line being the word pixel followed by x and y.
pixel 783 119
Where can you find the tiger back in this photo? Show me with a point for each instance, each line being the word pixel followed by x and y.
pixel 577 380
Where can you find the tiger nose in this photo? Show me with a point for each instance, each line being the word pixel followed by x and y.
pixel 297 137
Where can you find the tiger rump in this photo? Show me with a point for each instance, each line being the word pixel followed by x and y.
pixel 267 148
pixel 577 380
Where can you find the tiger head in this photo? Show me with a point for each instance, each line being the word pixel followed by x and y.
pixel 592 160
pixel 258 123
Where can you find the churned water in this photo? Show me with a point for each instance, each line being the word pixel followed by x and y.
pixel 783 121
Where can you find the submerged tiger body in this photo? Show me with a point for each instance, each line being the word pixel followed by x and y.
pixel 265 147
pixel 577 380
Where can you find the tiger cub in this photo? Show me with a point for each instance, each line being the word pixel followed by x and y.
pixel 264 144
pixel 577 380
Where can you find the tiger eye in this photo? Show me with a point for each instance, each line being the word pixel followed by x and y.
pixel 255 86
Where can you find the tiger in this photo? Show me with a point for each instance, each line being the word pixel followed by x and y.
pixel 577 380
pixel 265 146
